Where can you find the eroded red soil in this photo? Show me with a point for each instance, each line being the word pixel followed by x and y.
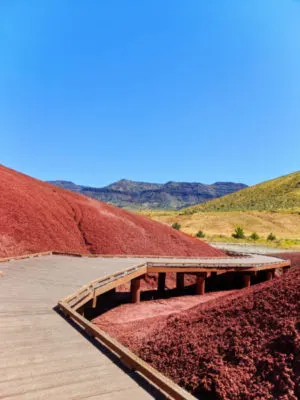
pixel 36 217
pixel 131 323
pixel 243 344
pixel 246 347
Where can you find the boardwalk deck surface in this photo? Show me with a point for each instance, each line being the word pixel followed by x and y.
pixel 41 355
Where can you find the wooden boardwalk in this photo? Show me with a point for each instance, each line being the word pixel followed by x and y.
pixel 41 355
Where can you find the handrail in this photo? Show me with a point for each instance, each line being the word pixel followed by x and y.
pixel 103 284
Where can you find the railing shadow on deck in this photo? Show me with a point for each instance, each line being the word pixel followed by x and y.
pixel 139 379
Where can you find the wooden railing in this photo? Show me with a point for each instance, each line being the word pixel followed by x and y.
pixel 102 285
pixel 128 358
pixel 72 303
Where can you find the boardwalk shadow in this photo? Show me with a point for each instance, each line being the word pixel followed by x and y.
pixel 140 380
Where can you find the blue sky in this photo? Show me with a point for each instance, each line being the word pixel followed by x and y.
pixel 95 91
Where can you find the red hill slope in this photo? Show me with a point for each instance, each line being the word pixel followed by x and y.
pixel 36 216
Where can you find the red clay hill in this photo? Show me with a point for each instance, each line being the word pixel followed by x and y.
pixel 36 216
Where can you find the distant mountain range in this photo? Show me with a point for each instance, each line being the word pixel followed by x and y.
pixel 143 195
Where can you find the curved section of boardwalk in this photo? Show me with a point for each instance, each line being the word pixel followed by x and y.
pixel 42 356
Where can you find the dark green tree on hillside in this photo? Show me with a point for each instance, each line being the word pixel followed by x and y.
pixel 176 226
pixel 200 234
pixel 271 237
pixel 239 233
pixel 254 236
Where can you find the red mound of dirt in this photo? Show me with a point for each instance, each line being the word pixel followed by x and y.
pixel 244 347
pixel 36 216
pixel 131 323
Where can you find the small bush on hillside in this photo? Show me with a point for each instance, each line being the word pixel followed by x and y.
pixel 187 212
pixel 176 226
pixel 271 236
pixel 239 233
pixel 200 234
pixel 254 236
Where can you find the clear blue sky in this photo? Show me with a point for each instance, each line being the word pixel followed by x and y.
pixel 194 90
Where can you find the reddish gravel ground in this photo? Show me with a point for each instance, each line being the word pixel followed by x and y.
pixel 131 323
pixel 246 346
pixel 36 217
pixel 242 344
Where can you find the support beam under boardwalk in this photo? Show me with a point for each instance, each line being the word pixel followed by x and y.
pixel 135 289
pixel 180 281
pixel 200 282
pixel 270 274
pixel 161 281
pixel 246 280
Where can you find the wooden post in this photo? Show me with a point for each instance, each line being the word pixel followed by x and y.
pixel 180 281
pixel 94 304
pixel 200 283
pixel 270 274
pixel 246 280
pixel 161 281
pixel 135 288
pixel 81 311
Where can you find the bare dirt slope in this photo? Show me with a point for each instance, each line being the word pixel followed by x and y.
pixel 36 216
pixel 246 346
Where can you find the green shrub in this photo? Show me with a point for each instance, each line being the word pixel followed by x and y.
pixel 200 234
pixel 187 212
pixel 176 226
pixel 239 233
pixel 271 236
pixel 254 236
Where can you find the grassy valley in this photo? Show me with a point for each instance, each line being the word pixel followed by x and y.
pixel 269 207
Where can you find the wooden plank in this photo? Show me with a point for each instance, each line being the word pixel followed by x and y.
pixel 121 281
pixel 32 255
pixel 165 269
pixel 221 268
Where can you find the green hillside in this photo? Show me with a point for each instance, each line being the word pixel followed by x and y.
pixel 277 194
